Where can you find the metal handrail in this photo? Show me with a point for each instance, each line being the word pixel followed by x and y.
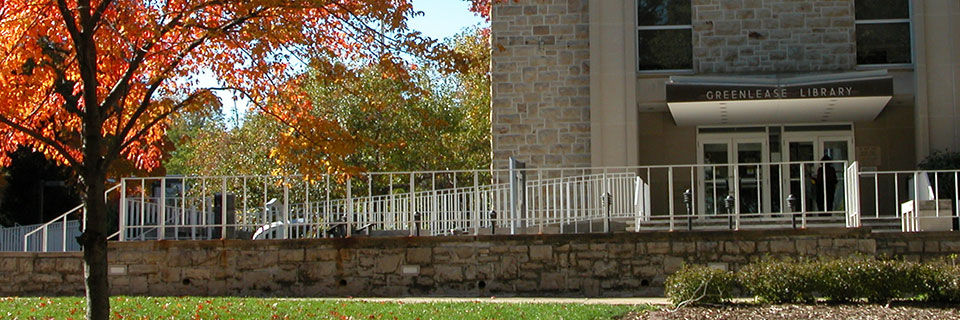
pixel 551 197
pixel 63 217
pixel 44 226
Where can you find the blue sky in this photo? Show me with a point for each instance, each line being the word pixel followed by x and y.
pixel 440 19
pixel 443 18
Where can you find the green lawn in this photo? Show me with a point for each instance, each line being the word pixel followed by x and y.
pixel 270 308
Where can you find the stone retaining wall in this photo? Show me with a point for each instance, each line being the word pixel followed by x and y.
pixel 597 265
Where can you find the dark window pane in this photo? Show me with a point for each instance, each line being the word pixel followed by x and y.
pixel 883 43
pixel 663 12
pixel 666 49
pixel 881 9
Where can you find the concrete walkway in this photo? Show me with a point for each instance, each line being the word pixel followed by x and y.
pixel 623 301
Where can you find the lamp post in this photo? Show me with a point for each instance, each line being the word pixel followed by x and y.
pixel 792 202
pixel 688 201
pixel 730 202
pixel 607 201
pixel 416 223
pixel 493 222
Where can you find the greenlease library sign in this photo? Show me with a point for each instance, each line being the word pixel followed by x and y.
pixel 692 92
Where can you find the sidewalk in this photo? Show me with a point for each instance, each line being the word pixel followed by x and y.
pixel 626 301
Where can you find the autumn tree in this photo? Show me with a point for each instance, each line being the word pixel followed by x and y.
pixel 91 84
pixel 430 120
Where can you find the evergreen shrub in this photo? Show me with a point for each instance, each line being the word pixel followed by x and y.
pixel 699 284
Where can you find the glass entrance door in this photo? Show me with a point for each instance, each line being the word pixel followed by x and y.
pixel 821 186
pixel 733 166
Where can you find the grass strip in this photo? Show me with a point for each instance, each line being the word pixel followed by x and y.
pixel 126 307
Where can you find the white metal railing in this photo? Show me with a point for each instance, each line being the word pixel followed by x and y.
pixel 910 200
pixel 11 239
pixel 38 238
pixel 41 233
pixel 852 189
pixel 436 211
pixel 721 196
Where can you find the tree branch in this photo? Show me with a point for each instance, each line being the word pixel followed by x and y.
pixel 120 141
pixel 101 8
pixel 45 140
pixel 154 121
pixel 69 21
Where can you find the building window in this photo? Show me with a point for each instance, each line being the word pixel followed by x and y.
pixel 883 31
pixel 665 35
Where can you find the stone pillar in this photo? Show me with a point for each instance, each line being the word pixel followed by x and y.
pixel 937 54
pixel 613 83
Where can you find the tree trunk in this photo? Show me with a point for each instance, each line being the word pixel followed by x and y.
pixel 94 241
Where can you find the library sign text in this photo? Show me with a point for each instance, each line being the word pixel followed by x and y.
pixel 842 89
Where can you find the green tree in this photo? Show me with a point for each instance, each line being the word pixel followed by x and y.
pixel 206 144
pixel 430 120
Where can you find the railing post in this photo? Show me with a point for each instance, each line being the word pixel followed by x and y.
pixel 476 203
pixel 349 207
pixel 412 206
pixel 286 209
pixel 437 217
pixel 803 196
pixel 162 210
pixel 44 240
pixel 369 207
pixel 223 208
pixel 736 195
pixel 670 194
pixel 123 211
pixel 540 194
pixel 916 193
pixel 328 221
pixel 63 238
pixel 143 208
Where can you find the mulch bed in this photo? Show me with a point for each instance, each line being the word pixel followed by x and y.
pixel 911 311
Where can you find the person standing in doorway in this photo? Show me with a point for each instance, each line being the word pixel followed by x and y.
pixel 825 184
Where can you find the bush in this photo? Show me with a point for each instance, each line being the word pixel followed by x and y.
pixel 700 284
pixel 778 281
pixel 941 160
pixel 846 280
pixel 840 280
pixel 939 282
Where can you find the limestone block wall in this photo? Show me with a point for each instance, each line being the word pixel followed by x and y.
pixel 541 84
pixel 767 36
pixel 584 265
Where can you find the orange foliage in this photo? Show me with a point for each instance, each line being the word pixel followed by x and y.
pixel 124 66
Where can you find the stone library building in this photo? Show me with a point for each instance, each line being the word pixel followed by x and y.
pixel 606 83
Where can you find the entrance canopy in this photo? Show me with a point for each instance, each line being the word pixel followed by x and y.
pixel 713 100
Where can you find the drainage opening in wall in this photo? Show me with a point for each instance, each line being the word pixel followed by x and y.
pixel 481 284
pixel 644 283
pixel 343 282
pixel 186 281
